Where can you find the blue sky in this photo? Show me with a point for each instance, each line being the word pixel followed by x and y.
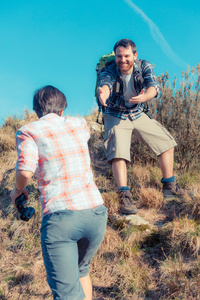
pixel 59 42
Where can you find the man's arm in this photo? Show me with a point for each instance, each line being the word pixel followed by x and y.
pixel 103 94
pixel 144 96
pixel 22 179
pixel 152 87
pixel 106 80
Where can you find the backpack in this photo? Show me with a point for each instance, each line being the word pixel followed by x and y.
pixel 107 60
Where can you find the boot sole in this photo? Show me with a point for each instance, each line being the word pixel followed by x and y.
pixel 128 212
pixel 172 196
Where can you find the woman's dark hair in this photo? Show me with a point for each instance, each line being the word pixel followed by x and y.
pixel 49 100
pixel 126 43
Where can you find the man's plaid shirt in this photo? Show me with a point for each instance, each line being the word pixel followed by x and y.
pixel 115 103
pixel 56 149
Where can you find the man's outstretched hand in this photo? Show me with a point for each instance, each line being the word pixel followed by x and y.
pixel 144 96
pixel 103 94
pixel 139 98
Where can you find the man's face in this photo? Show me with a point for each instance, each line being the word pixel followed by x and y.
pixel 124 59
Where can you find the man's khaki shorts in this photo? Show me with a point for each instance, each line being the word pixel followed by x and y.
pixel 118 133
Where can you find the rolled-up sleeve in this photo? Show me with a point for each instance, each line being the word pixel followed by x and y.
pixel 149 76
pixel 27 151
pixel 105 78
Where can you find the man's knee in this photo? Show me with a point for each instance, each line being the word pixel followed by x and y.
pixel 167 152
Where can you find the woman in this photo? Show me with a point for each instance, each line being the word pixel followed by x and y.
pixel 73 215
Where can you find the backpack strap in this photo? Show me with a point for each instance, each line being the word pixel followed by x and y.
pixel 138 72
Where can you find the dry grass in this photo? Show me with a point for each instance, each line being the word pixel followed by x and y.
pixel 111 201
pixel 178 279
pixel 118 269
pixel 184 236
pixel 151 198
pixel 7 142
pixel 159 261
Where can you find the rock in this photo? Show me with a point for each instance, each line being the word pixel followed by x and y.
pixel 130 220
pixel 135 220
pixel 94 126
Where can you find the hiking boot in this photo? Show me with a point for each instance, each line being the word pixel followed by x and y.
pixel 127 206
pixel 172 190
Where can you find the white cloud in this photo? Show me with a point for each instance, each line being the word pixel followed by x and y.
pixel 157 36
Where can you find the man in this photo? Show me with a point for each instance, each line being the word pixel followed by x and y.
pixel 73 215
pixel 123 88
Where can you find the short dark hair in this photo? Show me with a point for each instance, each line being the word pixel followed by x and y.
pixel 49 100
pixel 126 43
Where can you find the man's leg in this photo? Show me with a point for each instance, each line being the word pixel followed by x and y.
pixel 119 170
pixel 159 140
pixel 166 162
pixel 170 188
pixel 117 147
pixel 87 287
pixel 117 142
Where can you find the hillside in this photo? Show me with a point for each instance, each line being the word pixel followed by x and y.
pixel 155 259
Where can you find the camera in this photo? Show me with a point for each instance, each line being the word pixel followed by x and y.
pixel 25 212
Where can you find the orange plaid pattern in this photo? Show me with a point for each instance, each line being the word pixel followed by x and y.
pixel 56 149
